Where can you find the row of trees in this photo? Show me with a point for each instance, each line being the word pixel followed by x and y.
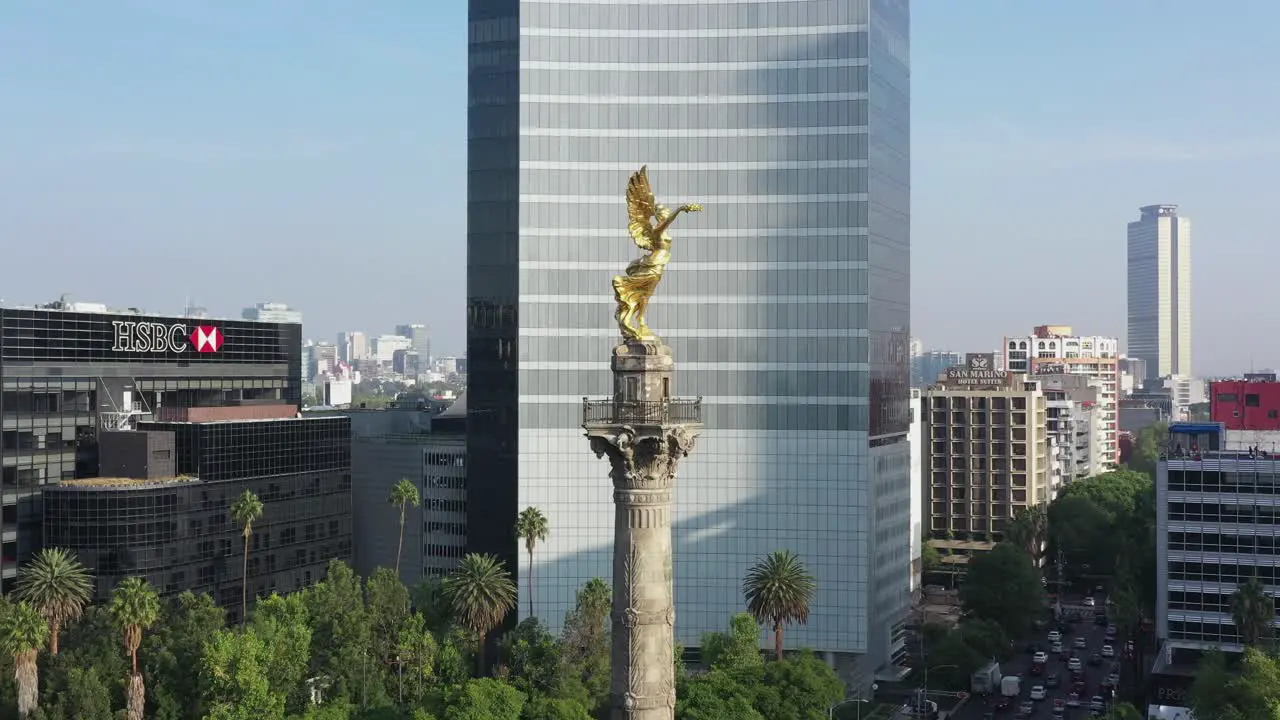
pixel 347 648
pixel 1102 526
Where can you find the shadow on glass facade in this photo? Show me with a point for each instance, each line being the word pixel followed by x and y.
pixel 787 305
pixel 178 532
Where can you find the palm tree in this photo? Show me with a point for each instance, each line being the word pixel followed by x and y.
pixel 246 511
pixel 135 607
pixel 58 586
pixel 778 589
pixel 23 631
pixel 1028 528
pixel 480 593
pixel 1254 612
pixel 532 527
pixel 404 494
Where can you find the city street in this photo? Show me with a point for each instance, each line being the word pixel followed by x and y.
pixel 1020 664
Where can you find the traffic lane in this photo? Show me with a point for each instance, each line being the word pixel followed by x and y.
pixel 1020 664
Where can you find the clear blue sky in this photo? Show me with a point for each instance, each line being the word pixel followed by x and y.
pixel 312 152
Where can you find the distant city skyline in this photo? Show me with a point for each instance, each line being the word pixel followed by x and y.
pixel 319 159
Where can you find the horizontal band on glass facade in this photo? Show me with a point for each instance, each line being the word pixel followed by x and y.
pixel 695 13
pixel 845 115
pixel 573 46
pixel 761 417
pixel 700 349
pixel 699 34
pixel 759 285
pixel 675 82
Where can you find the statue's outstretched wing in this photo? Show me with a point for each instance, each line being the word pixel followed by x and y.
pixel 641 207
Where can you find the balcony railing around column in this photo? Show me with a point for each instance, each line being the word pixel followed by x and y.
pixel 651 412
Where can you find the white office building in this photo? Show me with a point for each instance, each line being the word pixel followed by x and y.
pixel 1160 291
pixel 1056 349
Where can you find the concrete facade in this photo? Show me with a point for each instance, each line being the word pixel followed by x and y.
pixel 987 460
pixel 644 434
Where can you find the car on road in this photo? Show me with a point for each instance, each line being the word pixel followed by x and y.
pixel 1003 704
pixel 1038 692
pixel 1111 632
pixel 1108 651
pixel 1025 710
pixel 1055 636
pixel 1040 658
pixel 1052 680
pixel 1056 648
pixel 1059 709
pixel 1074 664
pixel 1096 703
pixel 1100 619
pixel 1080 643
pixel 1095 659
pixel 1090 602
pixel 1073 700
pixel 1113 679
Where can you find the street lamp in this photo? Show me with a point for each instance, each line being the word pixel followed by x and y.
pixel 831 711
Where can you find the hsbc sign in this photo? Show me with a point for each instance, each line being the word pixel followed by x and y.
pixel 153 337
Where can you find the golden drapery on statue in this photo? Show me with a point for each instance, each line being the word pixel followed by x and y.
pixel 647 222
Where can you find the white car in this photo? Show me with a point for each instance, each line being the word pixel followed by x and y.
pixel 1038 692
pixel 1074 664
pixel 1055 636
pixel 1056 648
pixel 1040 658
pixel 1090 602
pixel 1108 651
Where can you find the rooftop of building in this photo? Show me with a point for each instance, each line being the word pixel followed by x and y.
pixel 67 305
pixel 233 421
pixel 116 483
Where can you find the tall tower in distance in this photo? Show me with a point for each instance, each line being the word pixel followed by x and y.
pixel 1159 280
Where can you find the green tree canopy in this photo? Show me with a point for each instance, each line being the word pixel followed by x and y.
pixel 235 675
pixel 486 699
pixel 737 649
pixel 1253 694
pixel 1004 586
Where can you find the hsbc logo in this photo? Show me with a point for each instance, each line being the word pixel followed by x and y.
pixel 151 337
pixel 206 338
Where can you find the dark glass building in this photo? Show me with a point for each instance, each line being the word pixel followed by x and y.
pixel 164 511
pixel 68 375
pixel 787 304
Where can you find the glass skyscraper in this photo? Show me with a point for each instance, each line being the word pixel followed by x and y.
pixel 787 304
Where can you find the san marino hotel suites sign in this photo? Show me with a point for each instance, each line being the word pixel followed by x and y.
pixel 978 371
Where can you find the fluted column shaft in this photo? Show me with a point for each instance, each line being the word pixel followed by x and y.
pixel 644 448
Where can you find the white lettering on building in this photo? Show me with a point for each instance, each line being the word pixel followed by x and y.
pixel 149 337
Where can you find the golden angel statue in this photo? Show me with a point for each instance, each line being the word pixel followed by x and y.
pixel 647 222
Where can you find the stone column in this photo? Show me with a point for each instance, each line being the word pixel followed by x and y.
pixel 645 433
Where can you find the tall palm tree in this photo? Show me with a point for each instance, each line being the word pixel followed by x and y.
pixel 58 586
pixel 246 511
pixel 135 607
pixel 23 631
pixel 481 593
pixel 532 527
pixel 404 494
pixel 778 590
pixel 1254 612
pixel 1028 529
